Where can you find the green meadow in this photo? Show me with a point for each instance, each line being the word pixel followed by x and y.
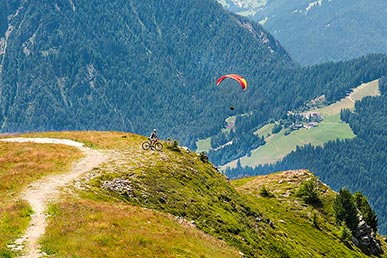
pixel 203 145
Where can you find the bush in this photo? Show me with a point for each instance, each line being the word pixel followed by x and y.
pixel 366 210
pixel 264 192
pixel 315 221
pixel 345 234
pixel 309 192
pixel 203 157
pixel 276 129
pixel 173 145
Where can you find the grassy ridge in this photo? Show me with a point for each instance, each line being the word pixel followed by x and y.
pixel 179 183
pixel 302 230
pixel 175 205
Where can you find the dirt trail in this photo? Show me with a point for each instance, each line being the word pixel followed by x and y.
pixel 39 193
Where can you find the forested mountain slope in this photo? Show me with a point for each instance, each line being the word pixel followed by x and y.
pixel 134 66
pixel 128 65
pixel 319 31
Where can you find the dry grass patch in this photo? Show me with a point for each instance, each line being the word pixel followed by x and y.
pixel 21 164
pixel 96 139
pixel 14 218
pixel 85 228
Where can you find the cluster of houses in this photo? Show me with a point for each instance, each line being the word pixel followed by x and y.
pixel 307 120
pixel 308 125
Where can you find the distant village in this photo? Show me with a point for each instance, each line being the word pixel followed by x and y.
pixel 306 120
pixel 306 117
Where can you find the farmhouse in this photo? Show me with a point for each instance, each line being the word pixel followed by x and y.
pixel 312 116
pixel 311 125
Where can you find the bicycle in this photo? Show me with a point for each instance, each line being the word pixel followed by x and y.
pixel 148 145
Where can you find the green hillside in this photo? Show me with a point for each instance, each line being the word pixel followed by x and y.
pixel 167 204
pixel 329 129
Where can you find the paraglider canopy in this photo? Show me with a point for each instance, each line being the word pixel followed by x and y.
pixel 242 81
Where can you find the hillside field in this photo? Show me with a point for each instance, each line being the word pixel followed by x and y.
pixel 331 128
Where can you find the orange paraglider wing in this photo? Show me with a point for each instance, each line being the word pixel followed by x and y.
pixel 242 81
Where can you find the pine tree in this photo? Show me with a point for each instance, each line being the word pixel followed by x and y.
pixel 366 210
pixel 345 209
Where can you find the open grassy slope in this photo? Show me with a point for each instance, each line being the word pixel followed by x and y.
pixel 171 204
pixel 21 164
pixel 331 128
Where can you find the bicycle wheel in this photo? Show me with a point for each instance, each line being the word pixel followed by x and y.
pixel 146 145
pixel 159 146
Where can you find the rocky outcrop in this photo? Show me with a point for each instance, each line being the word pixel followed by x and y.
pixel 118 185
pixel 365 238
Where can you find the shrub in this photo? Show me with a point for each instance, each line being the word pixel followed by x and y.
pixel 264 192
pixel 173 145
pixel 203 157
pixel 315 221
pixel 366 210
pixel 309 192
pixel 345 234
pixel 276 129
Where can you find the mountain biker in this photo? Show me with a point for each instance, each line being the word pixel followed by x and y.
pixel 153 137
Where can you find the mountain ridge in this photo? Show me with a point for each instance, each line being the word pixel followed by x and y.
pixel 320 31
pixel 179 183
